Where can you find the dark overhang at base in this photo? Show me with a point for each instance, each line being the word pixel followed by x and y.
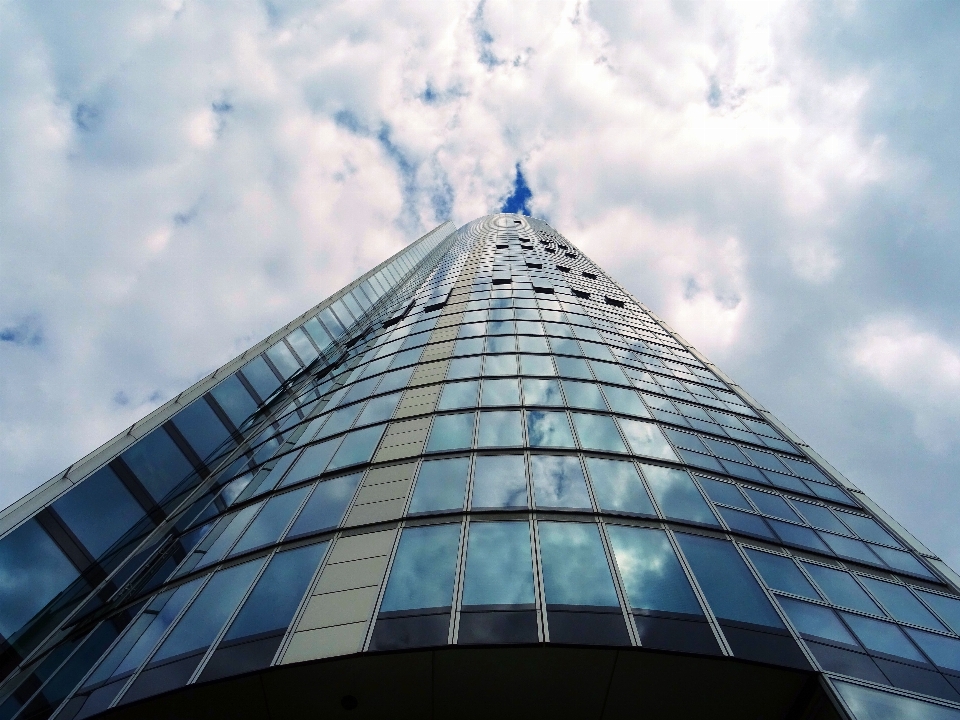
pixel 504 682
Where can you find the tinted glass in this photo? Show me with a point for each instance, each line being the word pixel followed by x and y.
pixel 541 392
pixel 946 607
pixel 646 439
pixel 272 520
pixel 379 409
pixel 157 463
pixel 820 517
pixel 233 397
pixel 422 573
pixel 326 506
pixel 883 637
pixel 677 495
pixel 868 529
pixel 624 401
pixel 357 447
pixel 901 604
pixel 313 461
pixel 618 487
pixel 537 365
pixel 816 621
pixel 451 432
pixel 772 505
pixel 99 511
pixel 598 432
pixel 558 482
pixel 652 575
pixel 575 570
pixel 583 395
pixel 500 392
pixel 841 589
pixel 782 573
pixel 725 493
pixel 548 429
pixel 441 485
pixel 459 395
pixel 499 481
pixel 499 570
pixel 500 429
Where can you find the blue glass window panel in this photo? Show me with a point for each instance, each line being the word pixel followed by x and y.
pixel 806 470
pixel 772 505
pixel 357 447
pixel 869 704
pixel 206 616
pixel 261 377
pixel 558 482
pixel 283 360
pixel 583 395
pixel 820 517
pixel 157 463
pixel 652 575
pixel 725 450
pixel 707 462
pixel 470 339
pixel 944 651
pixel 352 305
pixel 34 572
pixel 726 493
pixel 151 626
pixel 530 344
pixel 315 330
pixel 728 584
pixel 797 535
pixel 556 329
pixel 584 333
pixel 99 511
pixel 423 570
pixel 607 372
pixel 549 429
pixel 786 482
pixel 850 548
pixel 618 487
pixel 359 391
pixel 746 523
pixel 499 481
pixel 360 296
pixel 234 399
pixel 271 521
pixel 312 462
pixel 500 428
pixel 901 604
pixel 459 395
pixel 441 485
pixel 817 622
pixel 646 439
pixel 782 573
pixel 331 322
pixel 499 567
pixel 542 392
pixel 625 402
pixel 575 570
pixel 868 529
pixel 407 357
pixel 829 492
pixel 841 589
pixel 451 432
pixel 947 608
pixel 765 459
pixel 529 327
pixel 537 365
pixel 500 392
pixel 395 379
pixel 232 527
pixel 565 346
pixel 677 495
pixel 597 352
pixel 573 368
pixel 687 441
pixel 342 312
pixel 464 368
pixel 598 432
pixel 899 560
pixel 501 327
pixel 501 344
pixel 273 476
pixel 379 409
pixel 883 637
pixel 326 506
pixel 499 365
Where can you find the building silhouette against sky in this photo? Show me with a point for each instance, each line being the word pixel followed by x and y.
pixel 480 479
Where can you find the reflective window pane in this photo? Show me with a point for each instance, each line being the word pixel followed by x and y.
pixel 583 395
pixel 537 365
pixel 499 569
pixel 841 589
pixel 816 622
pixel 726 493
pixel 271 521
pixel 326 506
pixel 782 573
pixel 901 604
pixel 883 637
pixel 575 570
pixel 500 429
pixel 618 487
pixel 549 429
pixel 500 392
pixel 646 439
pixel 598 432
pixel 558 482
pixel 499 481
pixel 677 495
pixel 625 402
pixel 441 485
pixel 541 392
pixel 947 608
pixel 451 432
pixel 423 570
pixel 459 395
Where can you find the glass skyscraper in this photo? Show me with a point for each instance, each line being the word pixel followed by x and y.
pixel 482 478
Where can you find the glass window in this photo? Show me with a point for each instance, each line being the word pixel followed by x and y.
pixel 583 395
pixel 216 545
pixel 796 535
pixel 652 575
pixel 499 481
pixel 565 346
pixel 598 432
pixel 99 511
pixel 901 604
pixel 868 529
pixel 283 360
pixel 899 560
pixel 234 399
pixel 729 585
pixel 331 322
pixel 499 568
pixel 772 505
pixel 423 570
pixel 537 365
pixel 609 373
pixel 451 432
pixel 528 344
pixel 782 573
pixel 747 523
pixel 646 439
pixel 841 589
pixel 277 594
pixel 158 463
pixel 357 447
pixel 441 485
pixel 261 377
pixel 625 402
pixel 946 607
pixel 500 428
pixel 213 606
pixel 726 493
pixel 469 346
pixel 459 395
pixel 820 517
pixel 870 704
pixel 541 392
pixel 677 495
pixel 271 521
pixel 726 450
pixel 944 651
pixel 498 365
pixel 339 420
pixel 379 409
pixel 315 330
pixel 558 482
pixel 849 548
pixel 573 368
pixel 816 622
pixel 312 462
pixel 500 392
pixel 883 637
pixel 359 391
pixel 395 379
pixel 618 487
pixel 501 344
pixel 575 570
pixel 326 506
pixel 549 429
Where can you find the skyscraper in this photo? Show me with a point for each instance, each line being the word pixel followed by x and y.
pixel 481 478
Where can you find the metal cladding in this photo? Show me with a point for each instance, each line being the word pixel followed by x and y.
pixel 483 447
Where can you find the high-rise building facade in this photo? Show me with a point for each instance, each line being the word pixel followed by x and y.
pixel 482 478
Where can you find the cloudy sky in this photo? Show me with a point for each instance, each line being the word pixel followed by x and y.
pixel 780 181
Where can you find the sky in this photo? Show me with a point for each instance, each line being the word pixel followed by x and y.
pixel 780 181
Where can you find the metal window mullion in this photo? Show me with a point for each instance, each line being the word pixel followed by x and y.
pixel 368 635
pixel 543 628
pixel 454 629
